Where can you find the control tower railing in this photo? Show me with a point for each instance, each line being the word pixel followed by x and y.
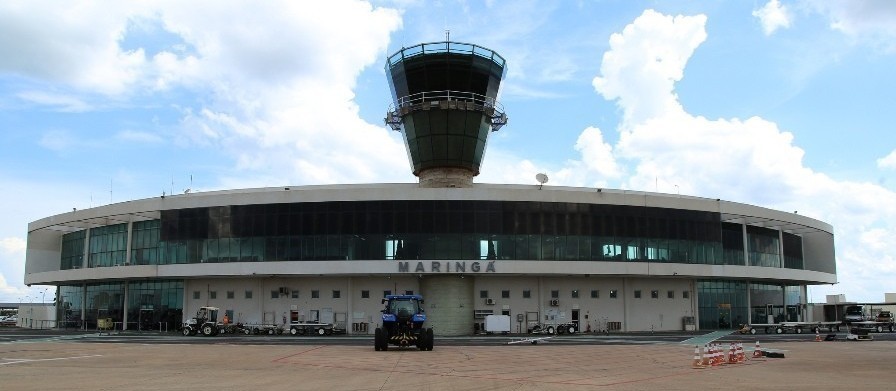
pixel 446 100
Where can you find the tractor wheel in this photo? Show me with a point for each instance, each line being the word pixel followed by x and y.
pixel 186 331
pixel 255 330
pixel 430 339
pixel 879 329
pixel 321 331
pixel 247 331
pixel 293 330
pixel 571 330
pixel 207 330
pixel 799 330
pixel 550 329
pixel 779 330
pixel 271 331
pixel 377 339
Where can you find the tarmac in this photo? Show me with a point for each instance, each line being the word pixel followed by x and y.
pixel 40 364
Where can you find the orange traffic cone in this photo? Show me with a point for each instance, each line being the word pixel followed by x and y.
pixel 817 336
pixel 707 358
pixel 732 356
pixel 698 362
pixel 757 352
pixel 715 355
pixel 741 357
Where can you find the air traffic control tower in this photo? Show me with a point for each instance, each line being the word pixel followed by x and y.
pixel 445 105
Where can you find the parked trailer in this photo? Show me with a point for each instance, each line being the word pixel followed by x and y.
pixel 559 328
pixel 874 326
pixel 311 328
pixel 790 327
pixel 262 328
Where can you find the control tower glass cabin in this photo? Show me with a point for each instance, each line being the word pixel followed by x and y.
pixel 444 104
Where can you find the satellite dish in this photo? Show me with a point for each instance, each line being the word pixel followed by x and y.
pixel 542 179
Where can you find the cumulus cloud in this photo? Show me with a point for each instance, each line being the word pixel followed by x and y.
pixel 773 15
pixel 275 99
pixel 641 72
pixel 888 162
pixel 749 160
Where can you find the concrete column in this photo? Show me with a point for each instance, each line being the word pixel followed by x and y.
pixel 130 239
pixel 449 303
pixel 86 261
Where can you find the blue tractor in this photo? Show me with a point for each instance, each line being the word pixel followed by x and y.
pixel 403 320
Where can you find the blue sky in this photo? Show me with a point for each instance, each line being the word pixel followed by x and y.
pixel 782 104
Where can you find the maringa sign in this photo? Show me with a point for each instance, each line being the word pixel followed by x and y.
pixel 447 267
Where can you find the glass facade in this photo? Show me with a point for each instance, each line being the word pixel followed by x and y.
pixel 722 304
pixel 764 246
pixel 73 250
pixel 108 245
pixel 437 230
pixel 145 242
pixel 149 304
pixel 771 303
pixel 155 304
pixel 463 230
pixel 70 304
pixel 733 244
pixel 793 251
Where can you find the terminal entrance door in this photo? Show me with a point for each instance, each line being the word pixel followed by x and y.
pixel 724 316
pixel 575 319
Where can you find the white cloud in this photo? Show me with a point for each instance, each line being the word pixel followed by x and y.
pixel 888 162
pixel 773 15
pixel 12 246
pixel 749 160
pixel 641 72
pixel 63 103
pixel 75 44
pixel 870 21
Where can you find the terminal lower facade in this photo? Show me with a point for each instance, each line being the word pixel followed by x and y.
pixel 602 259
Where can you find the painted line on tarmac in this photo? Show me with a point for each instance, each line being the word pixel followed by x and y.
pixel 29 360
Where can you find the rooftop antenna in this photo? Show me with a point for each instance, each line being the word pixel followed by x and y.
pixel 542 179
pixel 447 35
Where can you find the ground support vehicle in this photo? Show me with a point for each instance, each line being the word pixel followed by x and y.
pixel 790 327
pixel 262 328
pixel 403 324
pixel 558 328
pixel 205 322
pixel 311 328
pixel 872 325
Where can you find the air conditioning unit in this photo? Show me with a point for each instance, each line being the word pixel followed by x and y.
pixel 555 302
pixel 489 301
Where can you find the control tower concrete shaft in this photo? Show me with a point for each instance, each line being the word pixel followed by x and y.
pixel 445 105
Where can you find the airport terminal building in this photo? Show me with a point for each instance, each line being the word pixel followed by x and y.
pixel 602 259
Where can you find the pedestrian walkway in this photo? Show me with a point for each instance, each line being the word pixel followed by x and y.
pixel 706 338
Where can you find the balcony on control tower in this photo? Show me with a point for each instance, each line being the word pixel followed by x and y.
pixel 444 103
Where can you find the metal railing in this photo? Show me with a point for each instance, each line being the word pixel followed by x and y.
pixel 444 47
pixel 446 100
